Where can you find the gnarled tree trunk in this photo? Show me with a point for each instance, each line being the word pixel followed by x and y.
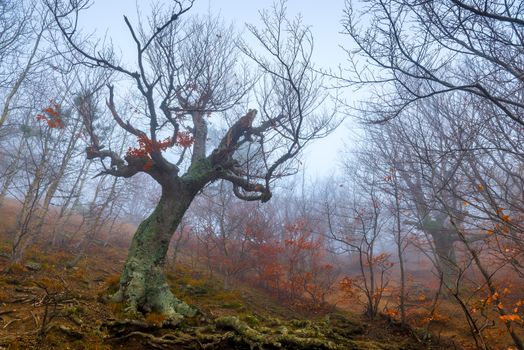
pixel 446 258
pixel 143 286
pixel 444 250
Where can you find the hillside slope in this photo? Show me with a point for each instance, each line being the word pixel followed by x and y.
pixel 45 305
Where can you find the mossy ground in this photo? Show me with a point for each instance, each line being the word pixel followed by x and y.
pixel 80 317
pixel 49 306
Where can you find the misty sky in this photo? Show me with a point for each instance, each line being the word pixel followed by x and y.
pixel 104 19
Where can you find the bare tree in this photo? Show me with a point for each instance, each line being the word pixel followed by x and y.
pixel 412 50
pixel 453 168
pixel 174 97
pixel 224 221
pixel 358 224
pixel 23 27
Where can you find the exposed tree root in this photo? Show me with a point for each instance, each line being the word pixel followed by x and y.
pixel 156 342
pixel 232 333
pixel 67 331
pixel 144 289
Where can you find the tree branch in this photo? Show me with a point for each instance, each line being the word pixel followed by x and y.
pixel 124 125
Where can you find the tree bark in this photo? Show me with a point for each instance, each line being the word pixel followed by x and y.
pixel 400 251
pixel 22 237
pixel 12 170
pixel 20 80
pixel 143 286
pixel 443 242
pixel 66 211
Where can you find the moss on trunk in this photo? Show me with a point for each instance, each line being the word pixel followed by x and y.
pixel 143 285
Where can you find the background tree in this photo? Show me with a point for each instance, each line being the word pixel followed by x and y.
pixel 20 40
pixel 358 225
pixel 411 50
pixel 454 199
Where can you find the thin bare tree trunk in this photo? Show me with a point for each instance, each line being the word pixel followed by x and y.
pixel 20 80
pixel 32 196
pixel 57 179
pixel 400 253
pixel 11 171
pixel 66 210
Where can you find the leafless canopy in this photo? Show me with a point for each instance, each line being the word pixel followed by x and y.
pixel 188 70
pixel 416 49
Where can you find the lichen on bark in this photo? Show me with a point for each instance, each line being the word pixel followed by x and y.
pixel 143 285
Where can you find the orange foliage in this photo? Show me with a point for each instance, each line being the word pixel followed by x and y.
pixel 51 115
pixel 147 146
pixel 511 318
pixel 297 270
pixel 184 139
pixel 347 286
pixel 294 268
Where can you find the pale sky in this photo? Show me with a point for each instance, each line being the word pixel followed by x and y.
pixel 324 17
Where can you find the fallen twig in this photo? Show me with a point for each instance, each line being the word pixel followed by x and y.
pixel 35 318
pixel 6 312
pixel 11 322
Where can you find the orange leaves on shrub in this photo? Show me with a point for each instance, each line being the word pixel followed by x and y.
pixel 436 316
pixel 295 268
pixel 347 286
pixel 51 115
pixel 299 235
pixel 511 318
pixel 391 312
pixel 382 259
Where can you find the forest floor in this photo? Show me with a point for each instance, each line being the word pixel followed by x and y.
pixel 45 305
